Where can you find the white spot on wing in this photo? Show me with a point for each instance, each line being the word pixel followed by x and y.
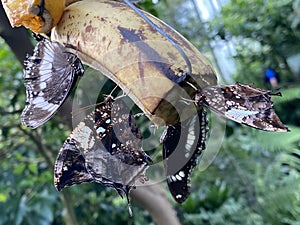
pixel 100 130
pixel 178 196
pixel 43 85
pixel 173 178
pixel 181 173
pixel 178 177
pixel 238 115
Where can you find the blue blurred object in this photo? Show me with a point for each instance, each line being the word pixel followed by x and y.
pixel 270 74
pixel 272 77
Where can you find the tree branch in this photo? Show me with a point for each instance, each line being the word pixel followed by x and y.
pixel 154 199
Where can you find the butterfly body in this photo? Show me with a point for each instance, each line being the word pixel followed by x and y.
pixel 50 74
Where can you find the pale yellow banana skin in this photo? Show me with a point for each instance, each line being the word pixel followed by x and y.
pixel 113 39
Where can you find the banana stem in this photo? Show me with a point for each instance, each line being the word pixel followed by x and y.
pixel 164 34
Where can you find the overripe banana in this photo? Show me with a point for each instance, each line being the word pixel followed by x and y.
pixel 116 41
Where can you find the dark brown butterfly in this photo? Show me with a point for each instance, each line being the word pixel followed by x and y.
pixel 105 148
pixel 50 74
pixel 243 104
pixel 182 145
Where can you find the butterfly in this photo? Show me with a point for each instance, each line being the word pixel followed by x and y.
pixel 50 74
pixel 243 104
pixel 182 145
pixel 105 148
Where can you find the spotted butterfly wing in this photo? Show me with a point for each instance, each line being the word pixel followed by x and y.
pixel 243 104
pixel 120 134
pixel 182 145
pixel 89 154
pixel 50 73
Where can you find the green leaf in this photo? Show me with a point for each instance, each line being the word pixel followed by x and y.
pixel 3 197
pixel 20 168
pixel 33 167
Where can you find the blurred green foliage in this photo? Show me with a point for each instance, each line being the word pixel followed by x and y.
pixel 255 179
pixel 265 34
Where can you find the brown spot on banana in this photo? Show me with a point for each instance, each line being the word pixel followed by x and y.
pixel 151 55
pixel 116 41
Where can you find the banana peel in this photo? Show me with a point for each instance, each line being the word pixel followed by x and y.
pixel 110 37
pixel 28 13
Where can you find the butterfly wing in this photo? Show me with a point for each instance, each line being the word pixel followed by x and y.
pixel 101 165
pixel 70 166
pixel 110 171
pixel 182 145
pixel 123 138
pixel 49 77
pixel 243 104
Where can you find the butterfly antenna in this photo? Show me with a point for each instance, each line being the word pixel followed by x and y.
pixel 77 112
pixel 163 33
pixel 107 97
